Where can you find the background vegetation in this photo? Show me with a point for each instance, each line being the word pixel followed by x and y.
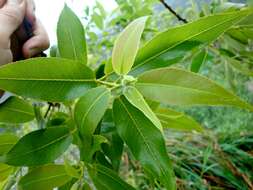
pixel 222 156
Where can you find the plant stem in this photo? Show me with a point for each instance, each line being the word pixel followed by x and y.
pixel 107 83
pixel 173 11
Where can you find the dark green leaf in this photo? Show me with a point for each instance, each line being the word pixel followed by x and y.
pixel 106 179
pixel 145 141
pixel 49 79
pixel 114 149
pixel 173 43
pixel 179 87
pixel 39 147
pixel 71 36
pixel 16 110
pixel 98 140
pixel 198 60
pixel 44 178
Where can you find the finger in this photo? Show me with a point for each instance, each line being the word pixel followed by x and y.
pixel 30 12
pixel 2 2
pixel 15 2
pixel 38 43
pixel 12 13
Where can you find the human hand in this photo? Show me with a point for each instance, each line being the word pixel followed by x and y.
pixel 12 13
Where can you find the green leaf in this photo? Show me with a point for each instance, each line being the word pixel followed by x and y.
pixel 239 66
pixel 39 147
pixel 179 87
pixel 243 35
pixel 68 185
pixel 164 48
pixel 176 120
pixel 247 22
pixel 126 46
pixel 98 140
pixel 108 67
pixel 7 141
pixel 98 19
pixel 145 141
pixel 114 149
pixel 5 171
pixel 44 178
pixel 106 179
pixel 71 170
pixel 16 110
pixel 48 79
pixel 71 36
pixel 90 109
pixel 137 100
pixel 198 60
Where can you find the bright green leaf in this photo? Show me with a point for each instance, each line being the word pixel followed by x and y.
pixel 108 67
pixel 7 141
pixel 239 66
pixel 127 45
pixel 170 46
pixel 176 120
pixel 5 171
pixel 98 20
pixel 106 179
pixel 179 87
pixel 48 79
pixel 90 109
pixel 71 36
pixel 16 110
pixel 137 100
pixel 71 170
pixel 145 141
pixel 44 178
pixel 198 60
pixel 39 147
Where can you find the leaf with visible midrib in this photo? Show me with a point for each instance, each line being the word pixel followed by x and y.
pixel 175 120
pixel 44 178
pixel 137 100
pixel 39 147
pixel 48 79
pixel 16 110
pixel 198 60
pixel 179 87
pixel 71 36
pixel 126 46
pixel 145 141
pixel 90 109
pixel 164 48
pixel 106 179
